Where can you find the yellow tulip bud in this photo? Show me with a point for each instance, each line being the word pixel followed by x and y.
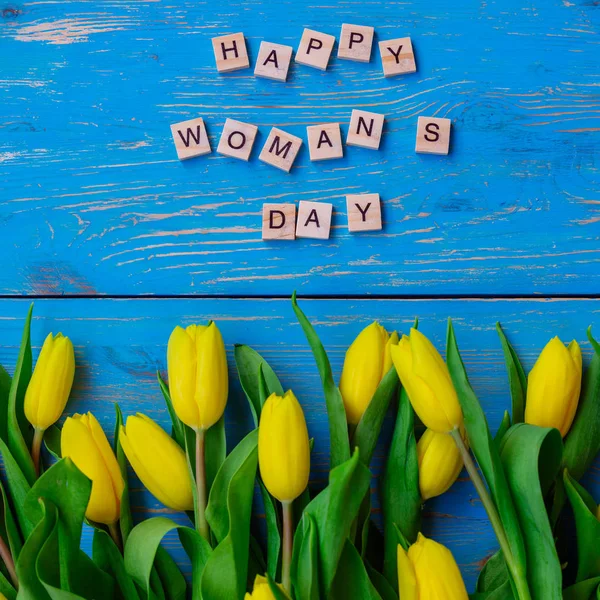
pixel 440 462
pixel 428 570
pixel 51 382
pixel 198 379
pixel 84 442
pixel 367 361
pixel 426 379
pixel 261 590
pixel 283 447
pixel 158 461
pixel 553 386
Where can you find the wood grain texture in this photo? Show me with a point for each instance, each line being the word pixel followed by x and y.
pixel 119 344
pixel 94 201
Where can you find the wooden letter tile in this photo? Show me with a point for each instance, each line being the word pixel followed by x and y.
pixel 356 42
pixel 364 212
pixel 433 135
pixel 325 141
pixel 280 149
pixel 314 220
pixel 230 52
pixel 190 138
pixel 279 222
pixel 397 57
pixel 365 129
pixel 273 61
pixel 315 49
pixel 237 139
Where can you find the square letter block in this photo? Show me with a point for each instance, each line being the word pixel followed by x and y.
pixel 279 222
pixel 433 135
pixel 273 61
pixel 230 52
pixel 190 138
pixel 280 149
pixel 315 49
pixel 356 42
pixel 364 212
pixel 314 220
pixel 397 57
pixel 365 129
pixel 325 141
pixel 237 139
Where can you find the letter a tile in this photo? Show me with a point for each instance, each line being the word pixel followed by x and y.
pixel 190 138
pixel 397 57
pixel 280 149
pixel 433 135
pixel 279 222
pixel 230 52
pixel 315 49
pixel 273 61
pixel 314 220
pixel 325 141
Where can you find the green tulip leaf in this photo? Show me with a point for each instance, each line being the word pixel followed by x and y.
pixel 52 441
pixel 6 588
pixel 305 560
pixel 248 362
pixel 485 450
pixel 583 440
pixel 107 556
pixel 494 576
pixel 215 450
pixel 273 531
pixel 8 526
pixel 401 497
pixel 368 429
pixel 177 430
pixel 228 514
pixel 351 580
pixel 125 518
pixel 18 427
pixel 584 590
pixel 334 511
pixel 588 529
pixel 363 522
pixel 531 457
pixel 504 427
pixel 278 593
pixel 517 379
pixel 256 560
pixel 336 413
pixel 382 585
pixel 5 383
pixel 140 556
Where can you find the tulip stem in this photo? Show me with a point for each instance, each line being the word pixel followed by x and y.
pixel 288 544
pixel 116 536
pixel 9 562
pixel 518 577
pixel 201 522
pixel 36 449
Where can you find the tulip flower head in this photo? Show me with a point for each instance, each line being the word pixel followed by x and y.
pixel 554 385
pixel 158 461
pixel 283 447
pixel 85 443
pixel 440 463
pixel 198 380
pixel 428 570
pixel 426 379
pixel 261 590
pixel 367 361
pixel 51 382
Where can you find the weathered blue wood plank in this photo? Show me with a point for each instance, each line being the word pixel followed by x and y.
pixel 93 199
pixel 120 344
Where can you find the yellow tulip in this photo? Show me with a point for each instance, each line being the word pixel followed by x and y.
pixel 440 462
pixel 158 461
pixel 50 385
pixel 261 590
pixel 84 442
pixel 283 447
pixel 198 379
pixel 367 361
pixel 554 385
pixel 426 379
pixel 428 570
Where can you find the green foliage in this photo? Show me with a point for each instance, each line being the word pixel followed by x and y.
pixel 517 380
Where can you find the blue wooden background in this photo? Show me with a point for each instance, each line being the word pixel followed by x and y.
pixel 96 210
